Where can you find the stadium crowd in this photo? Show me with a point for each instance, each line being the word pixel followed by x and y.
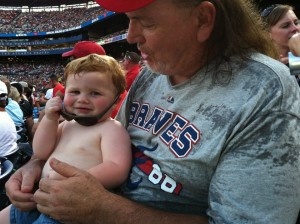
pixel 26 22
pixel 34 72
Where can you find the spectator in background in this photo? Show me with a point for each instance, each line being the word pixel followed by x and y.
pixel 47 95
pixel 30 93
pixel 84 48
pixel 42 102
pixel 281 24
pixel 8 133
pixel 27 109
pixel 58 88
pixel 41 95
pixel 24 84
pixel 131 65
pixel 15 96
pixel 13 107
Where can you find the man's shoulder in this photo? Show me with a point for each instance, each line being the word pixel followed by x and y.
pixel 59 86
pixel 269 64
pixel 275 79
pixel 263 70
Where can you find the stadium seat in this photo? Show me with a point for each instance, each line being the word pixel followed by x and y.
pixel 6 169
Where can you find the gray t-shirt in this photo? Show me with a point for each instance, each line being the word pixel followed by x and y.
pixel 223 144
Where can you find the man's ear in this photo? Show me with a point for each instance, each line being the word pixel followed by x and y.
pixel 205 14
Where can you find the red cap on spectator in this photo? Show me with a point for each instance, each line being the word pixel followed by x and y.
pixel 84 48
pixel 123 5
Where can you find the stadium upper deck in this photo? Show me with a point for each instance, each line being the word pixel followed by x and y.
pixel 41 3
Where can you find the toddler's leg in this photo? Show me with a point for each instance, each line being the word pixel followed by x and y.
pixel 12 215
pixel 5 215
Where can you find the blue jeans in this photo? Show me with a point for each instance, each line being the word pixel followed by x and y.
pixel 32 217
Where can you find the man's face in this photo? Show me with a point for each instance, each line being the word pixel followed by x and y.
pixel 51 83
pixel 166 35
pixel 125 63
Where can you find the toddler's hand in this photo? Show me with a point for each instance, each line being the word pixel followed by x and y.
pixel 53 108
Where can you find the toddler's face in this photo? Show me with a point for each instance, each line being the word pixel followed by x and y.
pixel 89 93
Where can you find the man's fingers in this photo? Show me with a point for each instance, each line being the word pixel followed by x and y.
pixel 41 198
pixel 27 185
pixel 63 169
pixel 25 206
pixel 24 202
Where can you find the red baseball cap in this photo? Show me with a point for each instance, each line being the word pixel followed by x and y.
pixel 84 48
pixel 123 5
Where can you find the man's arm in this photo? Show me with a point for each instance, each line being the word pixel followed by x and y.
pixel 91 203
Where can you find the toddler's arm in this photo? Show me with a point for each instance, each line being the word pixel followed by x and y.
pixel 45 137
pixel 116 152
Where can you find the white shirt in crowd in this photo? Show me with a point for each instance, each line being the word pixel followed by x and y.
pixel 49 93
pixel 8 135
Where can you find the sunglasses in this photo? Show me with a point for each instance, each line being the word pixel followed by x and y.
pixel 267 11
pixel 3 96
pixel 85 121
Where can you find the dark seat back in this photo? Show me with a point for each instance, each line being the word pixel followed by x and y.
pixel 6 169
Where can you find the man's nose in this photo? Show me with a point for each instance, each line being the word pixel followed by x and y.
pixel 135 34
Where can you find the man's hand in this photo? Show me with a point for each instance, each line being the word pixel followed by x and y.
pixel 72 199
pixel 20 186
